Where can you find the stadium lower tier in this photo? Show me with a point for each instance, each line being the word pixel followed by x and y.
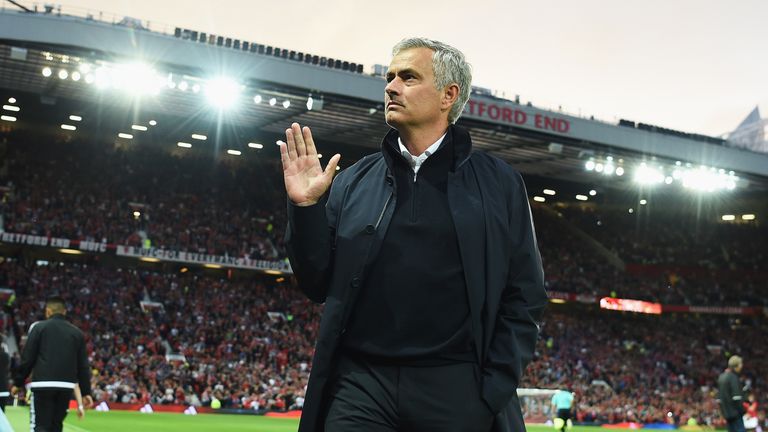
pixel 189 338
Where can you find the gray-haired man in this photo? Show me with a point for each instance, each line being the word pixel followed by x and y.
pixel 425 256
pixel 731 395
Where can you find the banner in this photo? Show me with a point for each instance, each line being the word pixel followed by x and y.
pixel 199 258
pixel 147 253
pixel 630 305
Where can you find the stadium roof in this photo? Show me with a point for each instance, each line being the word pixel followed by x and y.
pixel 347 105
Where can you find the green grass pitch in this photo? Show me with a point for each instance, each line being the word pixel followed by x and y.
pixel 123 421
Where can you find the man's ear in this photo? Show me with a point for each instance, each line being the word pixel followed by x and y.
pixel 450 95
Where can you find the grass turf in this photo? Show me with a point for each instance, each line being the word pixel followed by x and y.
pixel 125 421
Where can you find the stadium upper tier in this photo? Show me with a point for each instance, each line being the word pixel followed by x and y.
pixel 162 203
pixel 346 106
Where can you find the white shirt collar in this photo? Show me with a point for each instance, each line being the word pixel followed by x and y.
pixel 416 161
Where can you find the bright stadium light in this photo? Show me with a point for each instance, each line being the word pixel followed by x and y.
pixel 643 202
pixel 592 192
pixel 310 103
pixel 139 128
pixel 619 171
pixel 125 135
pixel 153 123
pixel 257 99
pixel 68 127
pixel 8 118
pixel 184 144
pixel 539 199
pixel 609 169
pixel 599 167
pixel 646 175
pixel 47 72
pixel 199 137
pixel 137 79
pixel 234 152
pixel 12 100
pixel 729 217
pixel 183 86
pixel 255 145
pixel 222 92
pixel 63 74
pixel 548 192
pixel 195 88
pixel 590 165
pixel 89 79
pixel 76 76
pixel 11 108
pixel 76 118
pixel 272 102
pixel 581 197
pixel 748 217
pixel 286 104
pixel 706 179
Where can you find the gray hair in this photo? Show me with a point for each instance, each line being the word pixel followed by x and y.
pixel 448 65
pixel 734 362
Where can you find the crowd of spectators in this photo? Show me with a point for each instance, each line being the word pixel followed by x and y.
pixel 574 249
pixel 626 367
pixel 169 337
pixel 95 192
pixel 247 343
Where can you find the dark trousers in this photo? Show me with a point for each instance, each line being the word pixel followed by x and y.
pixel 736 424
pixel 385 398
pixel 48 409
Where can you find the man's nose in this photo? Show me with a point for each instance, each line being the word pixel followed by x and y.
pixel 392 88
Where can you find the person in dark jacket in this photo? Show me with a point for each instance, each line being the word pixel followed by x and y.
pixel 5 366
pixel 426 259
pixel 731 395
pixel 55 354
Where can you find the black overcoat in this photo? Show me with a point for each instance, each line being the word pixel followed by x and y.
pixel 331 243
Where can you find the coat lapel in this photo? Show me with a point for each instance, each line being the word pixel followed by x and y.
pixel 466 206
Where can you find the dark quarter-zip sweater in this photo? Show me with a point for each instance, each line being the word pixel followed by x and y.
pixel 412 307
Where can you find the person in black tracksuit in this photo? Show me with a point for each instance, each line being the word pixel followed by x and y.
pixel 55 354
pixel 731 395
pixel 5 364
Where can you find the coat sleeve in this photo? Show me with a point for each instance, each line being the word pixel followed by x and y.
pixel 514 336
pixel 83 368
pixel 736 394
pixel 309 239
pixel 28 355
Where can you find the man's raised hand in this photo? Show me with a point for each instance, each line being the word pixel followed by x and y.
pixel 305 180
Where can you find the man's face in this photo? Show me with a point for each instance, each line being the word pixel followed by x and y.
pixel 410 97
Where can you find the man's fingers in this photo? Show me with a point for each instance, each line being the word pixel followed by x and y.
pixel 309 141
pixel 291 144
pixel 284 158
pixel 301 147
pixel 332 164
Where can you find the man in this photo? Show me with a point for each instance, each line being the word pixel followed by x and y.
pixel 5 366
pixel 562 401
pixel 731 396
pixel 55 354
pixel 425 256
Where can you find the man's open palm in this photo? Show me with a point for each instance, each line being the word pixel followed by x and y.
pixel 305 180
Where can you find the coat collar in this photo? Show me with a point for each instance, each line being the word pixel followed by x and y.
pixel 457 136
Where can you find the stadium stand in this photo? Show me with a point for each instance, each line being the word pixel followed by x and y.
pixel 179 334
